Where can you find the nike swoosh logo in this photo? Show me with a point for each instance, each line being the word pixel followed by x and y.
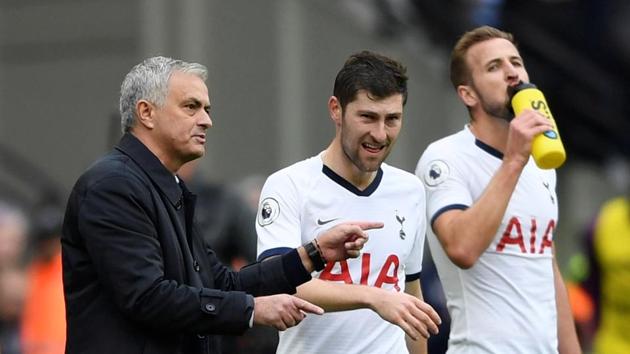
pixel 324 222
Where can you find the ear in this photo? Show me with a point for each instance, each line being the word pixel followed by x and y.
pixel 144 113
pixel 467 95
pixel 334 109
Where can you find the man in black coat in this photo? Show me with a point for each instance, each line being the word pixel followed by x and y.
pixel 137 277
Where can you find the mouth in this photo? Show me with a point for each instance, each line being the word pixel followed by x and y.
pixel 373 148
pixel 200 137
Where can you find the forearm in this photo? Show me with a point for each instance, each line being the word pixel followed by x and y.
pixel 274 275
pixel 306 261
pixel 418 346
pixel 408 312
pixel 333 296
pixel 288 271
pixel 467 234
pixel 567 336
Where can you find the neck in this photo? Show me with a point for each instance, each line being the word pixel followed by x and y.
pixel 160 152
pixel 492 131
pixel 336 160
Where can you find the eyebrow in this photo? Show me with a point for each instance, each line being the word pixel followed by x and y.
pixel 192 100
pixel 493 61
pixel 196 102
pixel 374 113
pixel 498 60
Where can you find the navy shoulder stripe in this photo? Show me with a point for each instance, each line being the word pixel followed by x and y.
pixel 412 277
pixel 447 208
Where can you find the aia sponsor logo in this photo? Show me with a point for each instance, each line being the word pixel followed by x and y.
pixel 390 266
pixel 513 236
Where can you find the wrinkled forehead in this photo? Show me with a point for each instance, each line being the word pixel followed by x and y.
pixel 366 100
pixel 482 53
pixel 182 85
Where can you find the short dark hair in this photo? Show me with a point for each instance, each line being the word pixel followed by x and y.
pixel 377 74
pixel 460 73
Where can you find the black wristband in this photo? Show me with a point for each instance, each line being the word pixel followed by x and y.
pixel 314 255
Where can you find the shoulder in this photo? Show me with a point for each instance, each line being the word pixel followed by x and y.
pixel 298 174
pixel 403 182
pixel 614 206
pixel 114 171
pixel 443 154
pixel 401 177
pixel 448 146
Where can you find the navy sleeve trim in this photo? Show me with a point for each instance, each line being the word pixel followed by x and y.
pixel 279 251
pixel 412 277
pixel 447 208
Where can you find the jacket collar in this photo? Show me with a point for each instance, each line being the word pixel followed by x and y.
pixel 152 167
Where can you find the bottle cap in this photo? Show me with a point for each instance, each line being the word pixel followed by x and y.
pixel 512 90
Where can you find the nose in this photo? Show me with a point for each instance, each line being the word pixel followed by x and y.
pixel 206 121
pixel 511 73
pixel 378 132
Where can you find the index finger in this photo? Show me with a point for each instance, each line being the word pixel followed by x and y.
pixel 537 117
pixel 367 225
pixel 308 307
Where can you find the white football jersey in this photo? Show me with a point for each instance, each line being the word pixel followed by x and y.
pixel 505 303
pixel 303 200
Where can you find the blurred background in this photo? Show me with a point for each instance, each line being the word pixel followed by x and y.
pixel 272 66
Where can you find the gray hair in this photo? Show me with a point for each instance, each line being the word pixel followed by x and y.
pixel 149 81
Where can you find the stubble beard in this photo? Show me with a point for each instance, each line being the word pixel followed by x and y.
pixel 498 110
pixel 353 156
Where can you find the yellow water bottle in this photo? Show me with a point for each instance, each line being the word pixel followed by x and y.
pixel 547 148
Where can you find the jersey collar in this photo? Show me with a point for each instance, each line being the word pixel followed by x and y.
pixel 349 186
pixel 489 149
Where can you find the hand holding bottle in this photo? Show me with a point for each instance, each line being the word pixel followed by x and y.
pixel 547 148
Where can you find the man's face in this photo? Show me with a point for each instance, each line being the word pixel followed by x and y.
pixel 181 123
pixel 495 64
pixel 369 129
